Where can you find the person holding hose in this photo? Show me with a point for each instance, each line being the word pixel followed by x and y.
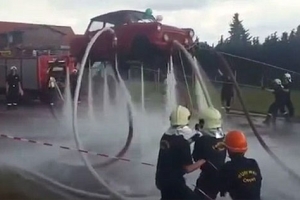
pixel 73 83
pixel 175 159
pixel 209 148
pixel 286 83
pixel 278 103
pixel 52 90
pixel 240 177
pixel 13 88
pixel 227 91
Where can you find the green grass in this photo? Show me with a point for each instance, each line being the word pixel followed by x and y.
pixel 256 99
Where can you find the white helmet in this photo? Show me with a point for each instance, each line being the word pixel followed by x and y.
pixel 211 120
pixel 13 68
pixel 277 81
pixel 180 116
pixel 288 77
pixel 52 78
pixel 74 70
pixel 211 117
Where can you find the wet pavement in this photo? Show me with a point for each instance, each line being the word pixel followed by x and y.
pixel 35 171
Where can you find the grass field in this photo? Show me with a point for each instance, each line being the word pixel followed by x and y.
pixel 256 99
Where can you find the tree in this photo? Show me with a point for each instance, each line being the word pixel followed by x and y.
pixel 285 37
pixel 221 41
pixel 292 35
pixel 255 41
pixel 238 34
pixel 278 49
pixel 297 34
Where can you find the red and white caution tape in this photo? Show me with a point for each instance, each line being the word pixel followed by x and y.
pixel 71 149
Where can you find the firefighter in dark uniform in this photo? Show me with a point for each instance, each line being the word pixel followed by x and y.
pixel 278 103
pixel 52 91
pixel 286 83
pixel 13 88
pixel 175 159
pixel 208 147
pixel 227 91
pixel 241 176
pixel 73 83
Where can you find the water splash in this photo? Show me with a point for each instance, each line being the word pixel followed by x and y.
pixel 105 91
pixel 90 94
pixel 79 145
pixel 67 109
pixel 203 97
pixel 171 94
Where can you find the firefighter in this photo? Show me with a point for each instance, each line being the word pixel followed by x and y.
pixel 13 88
pixel 208 147
pixel 278 103
pixel 227 92
pixel 241 176
pixel 287 80
pixel 52 90
pixel 73 83
pixel 175 159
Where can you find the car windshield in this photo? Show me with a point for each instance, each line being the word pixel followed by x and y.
pixel 95 26
pixel 145 21
pixel 140 18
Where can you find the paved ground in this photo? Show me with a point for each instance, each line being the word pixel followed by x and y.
pixel 106 133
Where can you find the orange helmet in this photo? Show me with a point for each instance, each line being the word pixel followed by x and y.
pixel 236 142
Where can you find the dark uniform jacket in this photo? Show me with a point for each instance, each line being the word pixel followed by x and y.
pixel 279 94
pixel 13 81
pixel 206 147
pixel 227 87
pixel 174 154
pixel 241 178
pixel 287 86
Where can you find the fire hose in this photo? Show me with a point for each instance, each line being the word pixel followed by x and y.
pixel 197 73
pixel 259 138
pixel 114 194
pixel 91 169
pixel 129 138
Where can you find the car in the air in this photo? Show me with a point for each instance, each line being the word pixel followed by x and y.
pixel 139 37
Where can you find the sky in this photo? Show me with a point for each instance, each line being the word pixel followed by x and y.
pixel 209 18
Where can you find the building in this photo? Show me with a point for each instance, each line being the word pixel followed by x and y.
pixel 21 37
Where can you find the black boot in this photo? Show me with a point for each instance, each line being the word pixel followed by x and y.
pixel 9 106
pixel 287 117
pixel 227 109
pixel 15 105
pixel 267 121
pixel 273 120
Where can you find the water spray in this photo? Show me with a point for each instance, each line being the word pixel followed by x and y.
pixel 129 138
pixel 75 121
pixel 59 91
pixel 90 93
pixel 185 79
pixel 105 90
pixel 196 70
pixel 171 96
pixel 68 98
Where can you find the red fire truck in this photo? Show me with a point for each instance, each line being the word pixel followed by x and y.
pixel 34 73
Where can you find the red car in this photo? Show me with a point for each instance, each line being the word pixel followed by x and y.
pixel 139 37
